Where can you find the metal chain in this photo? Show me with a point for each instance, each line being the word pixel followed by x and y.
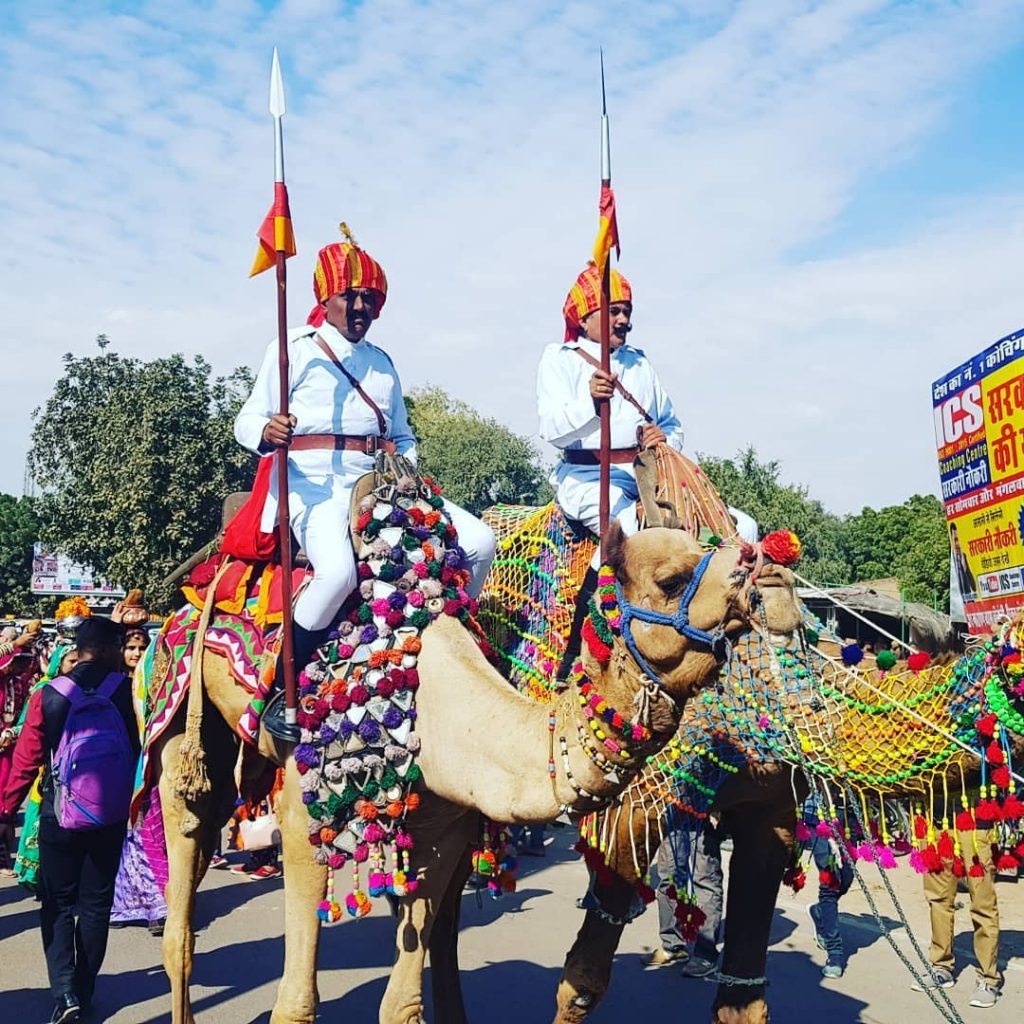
pixel 727 979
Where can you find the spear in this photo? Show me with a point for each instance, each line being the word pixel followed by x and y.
pixel 282 238
pixel 606 347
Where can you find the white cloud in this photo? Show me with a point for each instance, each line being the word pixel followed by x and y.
pixel 459 141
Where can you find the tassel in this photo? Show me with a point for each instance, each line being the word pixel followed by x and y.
pixel 945 846
pixel 803 833
pixel 917 862
pixel 920 827
pixel 959 868
pixel 1012 808
pixel 886 857
pixel 987 812
pixel 977 871
pixel 965 821
pixel 823 829
pixel 1001 777
pixel 1007 862
pixel 994 753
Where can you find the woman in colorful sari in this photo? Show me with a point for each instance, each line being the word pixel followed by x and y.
pixel 26 863
pixel 142 876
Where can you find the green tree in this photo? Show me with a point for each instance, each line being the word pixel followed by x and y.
pixel 134 459
pixel 475 459
pixel 908 541
pixel 755 487
pixel 19 530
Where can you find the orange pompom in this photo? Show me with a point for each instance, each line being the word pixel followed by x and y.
pixel 395 809
pixel 367 810
pixel 412 801
pixel 412 645
pixel 328 835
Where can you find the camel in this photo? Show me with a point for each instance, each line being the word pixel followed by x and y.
pixel 758 808
pixel 486 750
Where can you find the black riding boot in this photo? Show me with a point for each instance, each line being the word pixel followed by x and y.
pixel 575 639
pixel 304 643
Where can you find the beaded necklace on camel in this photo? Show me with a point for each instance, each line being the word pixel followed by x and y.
pixel 608 736
pixel 357 755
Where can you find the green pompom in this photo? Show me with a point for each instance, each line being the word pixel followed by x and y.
pixel 413 774
pixel 885 660
pixel 812 637
pixel 420 618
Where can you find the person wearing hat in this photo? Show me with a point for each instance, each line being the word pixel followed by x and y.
pixel 345 403
pixel 570 385
pixel 77 867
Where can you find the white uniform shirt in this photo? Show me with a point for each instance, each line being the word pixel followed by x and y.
pixel 568 418
pixel 323 402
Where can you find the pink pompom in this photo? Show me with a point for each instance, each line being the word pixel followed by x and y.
pixel 886 857
pixel 917 862
pixel 362 853
pixel 803 833
pixel 823 829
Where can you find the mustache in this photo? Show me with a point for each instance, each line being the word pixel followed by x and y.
pixel 622 329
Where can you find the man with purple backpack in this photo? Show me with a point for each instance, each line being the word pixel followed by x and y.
pixel 82 729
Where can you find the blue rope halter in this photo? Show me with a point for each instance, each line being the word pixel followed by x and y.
pixel 680 622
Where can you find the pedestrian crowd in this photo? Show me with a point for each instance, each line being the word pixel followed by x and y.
pixel 70 741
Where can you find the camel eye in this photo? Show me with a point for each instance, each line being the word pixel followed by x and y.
pixel 673 586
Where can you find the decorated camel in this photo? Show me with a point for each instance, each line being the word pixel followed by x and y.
pixel 883 735
pixel 480 747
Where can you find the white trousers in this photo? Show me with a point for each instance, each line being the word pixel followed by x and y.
pixel 621 506
pixel 322 528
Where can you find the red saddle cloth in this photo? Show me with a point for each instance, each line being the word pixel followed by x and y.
pixel 243 537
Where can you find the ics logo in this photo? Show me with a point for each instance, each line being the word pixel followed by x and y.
pixel 959 417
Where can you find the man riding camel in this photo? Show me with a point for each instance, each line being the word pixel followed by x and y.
pixel 345 401
pixel 570 385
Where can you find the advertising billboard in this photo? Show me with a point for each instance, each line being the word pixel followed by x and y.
pixel 978 413
pixel 55 574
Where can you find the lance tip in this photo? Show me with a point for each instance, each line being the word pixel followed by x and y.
pixel 277 107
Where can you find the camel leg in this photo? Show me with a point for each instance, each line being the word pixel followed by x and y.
pixel 762 840
pixel 443 835
pixel 588 965
pixel 305 884
pixel 187 856
pixel 445 983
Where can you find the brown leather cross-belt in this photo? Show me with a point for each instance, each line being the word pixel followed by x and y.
pixel 592 457
pixel 369 444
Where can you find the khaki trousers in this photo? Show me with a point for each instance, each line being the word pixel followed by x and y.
pixel 940 891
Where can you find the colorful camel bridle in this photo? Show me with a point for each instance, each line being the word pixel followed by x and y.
pixel 780 547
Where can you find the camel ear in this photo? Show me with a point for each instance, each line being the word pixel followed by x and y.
pixel 613 547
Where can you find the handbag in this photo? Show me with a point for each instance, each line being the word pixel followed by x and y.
pixel 260 832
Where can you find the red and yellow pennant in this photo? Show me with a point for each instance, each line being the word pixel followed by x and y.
pixel 275 233
pixel 608 229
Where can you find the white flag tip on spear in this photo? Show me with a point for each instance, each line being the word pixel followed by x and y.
pixel 277 107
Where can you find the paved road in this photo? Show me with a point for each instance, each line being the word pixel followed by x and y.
pixel 510 967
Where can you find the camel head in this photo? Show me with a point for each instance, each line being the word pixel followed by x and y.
pixel 655 570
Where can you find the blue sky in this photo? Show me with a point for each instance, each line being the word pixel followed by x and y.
pixel 821 203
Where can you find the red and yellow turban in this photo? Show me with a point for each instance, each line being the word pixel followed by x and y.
pixel 343 265
pixel 585 297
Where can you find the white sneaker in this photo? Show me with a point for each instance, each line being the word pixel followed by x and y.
pixel 937 977
pixel 984 995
